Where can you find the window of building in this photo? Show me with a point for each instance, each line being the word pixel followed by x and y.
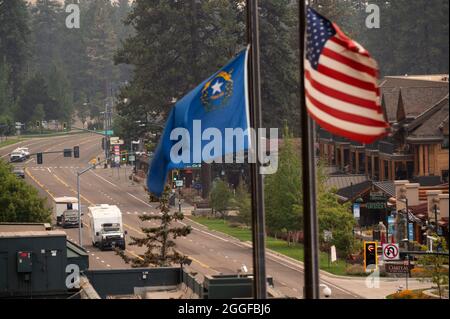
pixel 445 176
pixel 445 143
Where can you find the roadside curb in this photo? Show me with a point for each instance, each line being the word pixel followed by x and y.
pixel 291 260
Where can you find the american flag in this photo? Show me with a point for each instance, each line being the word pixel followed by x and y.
pixel 341 83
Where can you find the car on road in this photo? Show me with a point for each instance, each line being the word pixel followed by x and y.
pixel 19 172
pixel 25 151
pixel 70 219
pixel 17 156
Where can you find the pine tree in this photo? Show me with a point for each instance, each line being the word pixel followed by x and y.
pixel 160 240
pixel 14 39
pixel 46 25
pixel 243 201
pixel 283 190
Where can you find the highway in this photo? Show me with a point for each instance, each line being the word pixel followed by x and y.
pixel 212 253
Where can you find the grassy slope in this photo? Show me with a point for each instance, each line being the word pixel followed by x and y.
pixel 279 246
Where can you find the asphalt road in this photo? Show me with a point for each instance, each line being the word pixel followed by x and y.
pixel 212 253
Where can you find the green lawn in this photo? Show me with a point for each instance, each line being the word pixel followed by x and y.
pixel 280 246
pixel 10 141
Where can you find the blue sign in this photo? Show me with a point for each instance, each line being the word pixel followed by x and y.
pixel 391 227
pixel 356 210
pixel 411 231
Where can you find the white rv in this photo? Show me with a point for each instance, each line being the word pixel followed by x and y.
pixel 63 204
pixel 105 222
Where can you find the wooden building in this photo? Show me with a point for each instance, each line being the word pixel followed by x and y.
pixel 417 108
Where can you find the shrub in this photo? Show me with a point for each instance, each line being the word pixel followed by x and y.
pixel 355 270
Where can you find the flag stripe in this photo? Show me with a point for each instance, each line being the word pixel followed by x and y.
pixel 342 106
pixel 341 86
pixel 349 45
pixel 332 73
pixel 333 64
pixel 348 62
pixel 336 47
pixel 345 125
pixel 361 138
pixel 370 104
pixel 344 115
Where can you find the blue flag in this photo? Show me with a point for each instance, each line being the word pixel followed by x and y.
pixel 205 114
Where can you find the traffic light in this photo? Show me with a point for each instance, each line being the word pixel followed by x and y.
pixel 39 158
pixel 174 175
pixel 68 152
pixel 38 123
pixel 370 256
pixel 76 151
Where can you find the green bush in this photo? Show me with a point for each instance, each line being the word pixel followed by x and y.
pixel 20 202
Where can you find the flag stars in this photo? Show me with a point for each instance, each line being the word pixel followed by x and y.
pixel 217 88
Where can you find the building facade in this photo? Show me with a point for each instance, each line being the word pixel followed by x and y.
pixel 417 147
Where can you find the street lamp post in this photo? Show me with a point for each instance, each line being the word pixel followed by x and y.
pixel 404 197
pixel 436 211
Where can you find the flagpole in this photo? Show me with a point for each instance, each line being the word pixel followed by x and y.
pixel 258 220
pixel 311 245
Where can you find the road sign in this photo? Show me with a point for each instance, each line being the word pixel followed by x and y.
pixel 398 268
pixel 370 256
pixel 411 231
pixel 356 210
pixel 391 252
pixel 327 235
pixel 117 141
pixel 333 256
pixel 179 183
pixel 131 158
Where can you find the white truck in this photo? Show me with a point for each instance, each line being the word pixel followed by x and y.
pixel 105 223
pixel 63 204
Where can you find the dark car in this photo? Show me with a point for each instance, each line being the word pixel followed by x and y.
pixel 19 172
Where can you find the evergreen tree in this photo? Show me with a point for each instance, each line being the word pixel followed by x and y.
pixel 35 92
pixel 14 41
pixel 283 190
pixel 243 201
pixel 160 240
pixel 101 43
pixel 220 197
pixel 7 102
pixel 46 23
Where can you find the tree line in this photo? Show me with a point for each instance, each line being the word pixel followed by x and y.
pixel 177 44
pixel 51 72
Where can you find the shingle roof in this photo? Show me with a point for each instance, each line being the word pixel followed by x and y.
pixel 418 94
pixel 430 124
pixel 416 100
pixel 350 192
pixel 390 102
pixel 387 187
pixel 343 181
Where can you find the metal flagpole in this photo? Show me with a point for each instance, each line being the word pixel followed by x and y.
pixel 258 220
pixel 311 288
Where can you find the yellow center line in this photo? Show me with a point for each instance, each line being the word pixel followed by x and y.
pixel 91 203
